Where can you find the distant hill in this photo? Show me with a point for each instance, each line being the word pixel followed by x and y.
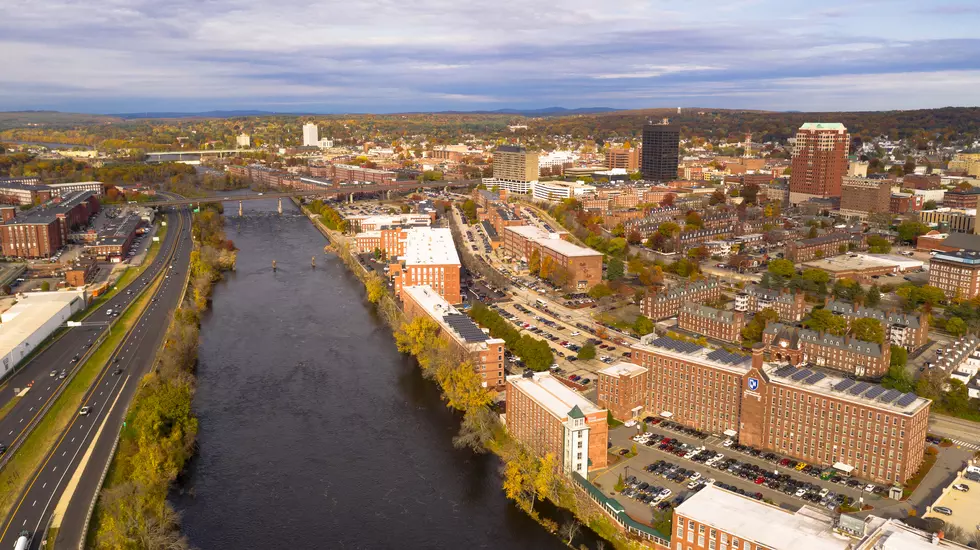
pixel 547 111
pixel 203 114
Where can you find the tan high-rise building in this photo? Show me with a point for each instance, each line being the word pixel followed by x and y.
pixel 819 161
pixel 627 159
pixel 860 196
pixel 514 163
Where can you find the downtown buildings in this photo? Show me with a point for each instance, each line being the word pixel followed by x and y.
pixel 819 161
pixel 811 415
pixel 514 169
pixel 957 274
pixel 860 197
pixel 658 157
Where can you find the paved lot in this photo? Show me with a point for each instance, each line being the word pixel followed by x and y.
pixel 964 505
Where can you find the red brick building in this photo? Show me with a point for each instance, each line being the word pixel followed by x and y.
pixel 961 198
pixel 840 353
pixel 819 161
pixel 907 330
pixel 957 274
pixel 43 230
pixel 579 267
pixel 425 256
pixel 924 182
pixel 905 203
pixel 824 246
pixel 861 196
pixel 713 323
pixel 551 418
pixel 621 389
pixel 662 305
pixel 791 306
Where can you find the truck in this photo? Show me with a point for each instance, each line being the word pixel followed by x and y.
pixel 23 541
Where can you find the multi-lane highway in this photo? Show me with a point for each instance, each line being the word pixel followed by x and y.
pixel 107 402
pixel 64 354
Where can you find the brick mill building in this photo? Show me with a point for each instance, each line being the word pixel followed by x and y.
pixel 801 412
pixel 581 267
pixel 663 305
pixel 468 339
pixel 957 274
pixel 840 353
pixel 819 161
pixel 621 388
pixel 862 196
pixel 908 330
pixel 791 306
pixel 43 230
pixel 824 246
pixel 549 417
pixel 713 323
pixel 426 256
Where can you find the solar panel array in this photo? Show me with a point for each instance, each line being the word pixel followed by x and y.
pixel 859 388
pixel 875 391
pixel 801 374
pixel 906 400
pixel 723 356
pixel 844 384
pixel 465 327
pixel 889 396
pixel 676 345
pixel 815 378
pixel 785 371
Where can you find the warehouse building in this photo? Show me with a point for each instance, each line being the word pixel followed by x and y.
pixel 31 320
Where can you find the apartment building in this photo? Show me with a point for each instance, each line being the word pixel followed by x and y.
pixel 63 189
pixel 423 256
pixel 348 173
pixel 819 161
pixel 626 159
pixel 962 198
pixel 685 240
pixel 807 414
pixel 559 190
pixel 43 230
pixel 957 274
pixel 963 221
pixel 621 389
pixel 791 306
pixel 376 223
pixel 713 323
pixel 841 353
pixel 514 168
pixel 662 305
pixel 905 203
pixel 575 267
pixel 861 196
pixel 908 330
pixel 457 328
pixel 658 158
pixel 549 417
pixel 24 194
pixel 824 246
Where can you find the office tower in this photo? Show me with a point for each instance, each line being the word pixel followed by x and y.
pixel 311 136
pixel 819 161
pixel 658 159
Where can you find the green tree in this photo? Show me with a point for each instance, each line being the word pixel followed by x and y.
pixel 824 320
pixel 898 377
pixel 586 352
pixel 45 286
pixel 956 326
pixel 873 297
pixel 782 268
pixel 668 229
pixel 909 230
pixel 957 397
pixel 879 245
pixel 614 269
pixel 929 205
pixel 600 291
pixel 643 325
pixel 753 329
pixel 899 356
pixel 868 329
pixel 812 234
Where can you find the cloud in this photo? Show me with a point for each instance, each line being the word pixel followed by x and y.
pixel 392 55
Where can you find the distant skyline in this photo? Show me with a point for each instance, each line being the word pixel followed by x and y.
pixel 381 56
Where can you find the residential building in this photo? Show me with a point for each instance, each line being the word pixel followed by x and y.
pixel 62 189
pixel 861 196
pixel 348 173
pixel 621 389
pixel 424 256
pixel 824 246
pixel 658 157
pixel 627 159
pixel 551 418
pixel 25 194
pixel 713 323
pixel 966 163
pixel 572 266
pixel 696 237
pixel 243 140
pixel 43 230
pixel 514 168
pixel 662 305
pixel 819 161
pixel 877 434
pixel 957 274
pixel 114 239
pixel 840 353
pixel 559 190
pixel 924 182
pixel 962 198
pixel 311 135
pixel 963 221
pixel 388 221
pixel 502 216
pixel 908 330
pixel 905 203
pixel 468 339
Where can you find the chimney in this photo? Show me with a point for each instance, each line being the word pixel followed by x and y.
pixel 854 307
pixel 757 358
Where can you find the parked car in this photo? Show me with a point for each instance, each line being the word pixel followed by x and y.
pixel 942 510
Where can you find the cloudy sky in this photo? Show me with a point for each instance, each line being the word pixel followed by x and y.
pixel 327 56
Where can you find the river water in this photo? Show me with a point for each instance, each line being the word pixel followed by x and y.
pixel 315 432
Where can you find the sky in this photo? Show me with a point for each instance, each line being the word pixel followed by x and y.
pixel 327 56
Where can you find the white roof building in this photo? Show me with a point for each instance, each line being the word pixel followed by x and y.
pixel 430 245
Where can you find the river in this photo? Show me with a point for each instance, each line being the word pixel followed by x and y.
pixel 314 431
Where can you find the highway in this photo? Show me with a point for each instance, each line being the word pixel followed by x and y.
pixel 108 401
pixel 59 356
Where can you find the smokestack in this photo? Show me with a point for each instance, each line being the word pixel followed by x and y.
pixel 757 358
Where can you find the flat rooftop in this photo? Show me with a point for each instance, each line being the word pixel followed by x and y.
pixel 860 262
pixel 555 397
pixel 691 352
pixel 623 369
pixel 552 241
pixel 31 313
pixel 430 246
pixel 763 524
pixel 450 318
pixel 965 506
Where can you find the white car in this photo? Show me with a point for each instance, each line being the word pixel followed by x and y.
pixel 823 492
pixel 665 493
pixel 800 492
pixel 629 423
pixel 869 488
pixel 695 476
pixel 84 411
pixel 727 443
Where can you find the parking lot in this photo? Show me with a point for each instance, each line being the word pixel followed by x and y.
pixel 768 476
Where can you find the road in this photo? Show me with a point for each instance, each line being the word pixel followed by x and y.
pixel 963 433
pixel 17 423
pixel 108 401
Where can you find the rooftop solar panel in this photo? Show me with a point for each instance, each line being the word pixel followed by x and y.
pixel 801 374
pixel 816 377
pixel 465 327
pixel 785 371
pixel 889 396
pixel 859 388
pixel 906 400
pixel 875 391
pixel 844 384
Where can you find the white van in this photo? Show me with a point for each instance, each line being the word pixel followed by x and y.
pixel 23 541
pixel 108 312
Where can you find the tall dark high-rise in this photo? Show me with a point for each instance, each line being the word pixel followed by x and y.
pixel 658 159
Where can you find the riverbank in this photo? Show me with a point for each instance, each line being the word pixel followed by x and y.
pixel 160 431
pixel 531 482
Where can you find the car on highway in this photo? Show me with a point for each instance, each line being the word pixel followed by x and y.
pixel 84 411
pixel 54 373
pixel 3 449
pixel 117 372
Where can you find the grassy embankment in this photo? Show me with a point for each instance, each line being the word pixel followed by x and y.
pixel 14 477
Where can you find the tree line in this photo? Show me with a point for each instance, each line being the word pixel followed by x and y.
pixel 533 352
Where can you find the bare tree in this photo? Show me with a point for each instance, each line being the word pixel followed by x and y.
pixel 569 530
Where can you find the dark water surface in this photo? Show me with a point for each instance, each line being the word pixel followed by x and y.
pixel 315 431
